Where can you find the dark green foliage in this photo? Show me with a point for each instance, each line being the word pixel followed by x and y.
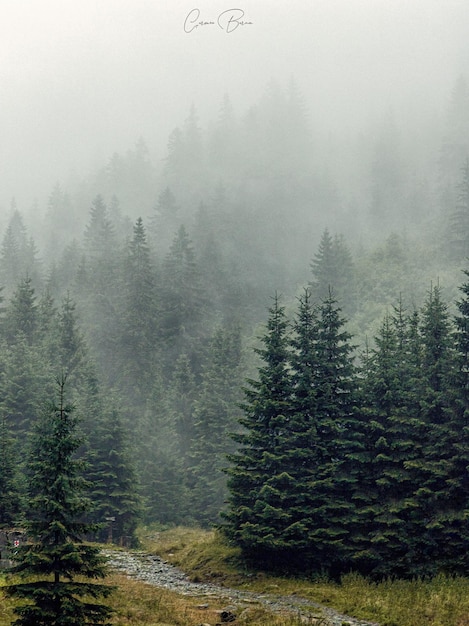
pixel 257 518
pixel 113 481
pixel 393 438
pixel 55 553
pixel 10 490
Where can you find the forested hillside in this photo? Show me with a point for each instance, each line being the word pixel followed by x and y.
pixel 149 285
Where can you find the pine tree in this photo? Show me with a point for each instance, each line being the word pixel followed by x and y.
pixel 138 333
pixel 456 532
pixel 339 423
pixel 393 439
pixel 113 481
pixel 215 414
pixel 434 509
pixel 458 226
pixel 257 519
pixel 10 489
pixel 22 315
pixel 307 455
pixel 332 268
pixel 183 298
pixel 56 555
pixel 161 467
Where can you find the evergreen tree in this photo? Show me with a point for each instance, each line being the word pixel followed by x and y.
pixel 393 439
pixel 161 467
pixel 114 483
pixel 138 334
pixel 433 509
pixel 339 422
pixel 257 519
pixel 18 254
pixel 164 220
pixel 10 490
pixel 56 554
pixel 459 219
pixel 183 299
pixel 332 268
pixel 215 414
pixel 22 315
pixel 182 395
pixel 456 532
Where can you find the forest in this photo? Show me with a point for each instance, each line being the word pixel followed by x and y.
pixel 256 339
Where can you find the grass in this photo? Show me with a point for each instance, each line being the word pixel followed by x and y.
pixel 139 604
pixel 205 555
pixel 443 601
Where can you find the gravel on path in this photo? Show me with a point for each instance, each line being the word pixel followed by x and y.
pixel 155 571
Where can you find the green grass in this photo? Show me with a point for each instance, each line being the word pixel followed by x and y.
pixel 205 555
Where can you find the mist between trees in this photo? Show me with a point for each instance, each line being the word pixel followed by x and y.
pixel 155 318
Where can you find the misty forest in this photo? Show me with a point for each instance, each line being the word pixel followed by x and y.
pixel 267 330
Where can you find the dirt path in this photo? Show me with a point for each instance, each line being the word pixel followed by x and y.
pixel 154 571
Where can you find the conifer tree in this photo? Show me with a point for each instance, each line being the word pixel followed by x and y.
pixel 138 333
pixel 215 413
pixel 340 427
pixel 455 531
pixel 332 268
pixel 56 556
pixel 10 489
pixel 183 301
pixel 433 508
pixel 22 313
pixel 160 463
pixel 257 519
pixel 391 428
pixel 113 480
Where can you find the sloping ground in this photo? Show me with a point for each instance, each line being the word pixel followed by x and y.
pixel 155 571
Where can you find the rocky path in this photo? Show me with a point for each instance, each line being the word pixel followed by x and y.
pixel 154 571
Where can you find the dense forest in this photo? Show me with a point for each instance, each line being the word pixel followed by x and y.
pixel 150 286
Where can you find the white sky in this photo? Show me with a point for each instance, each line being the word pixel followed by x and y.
pixel 81 80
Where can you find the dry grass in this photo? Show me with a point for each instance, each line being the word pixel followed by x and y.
pixel 443 601
pixel 139 604
pixel 205 555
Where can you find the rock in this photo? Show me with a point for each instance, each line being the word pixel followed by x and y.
pixel 227 616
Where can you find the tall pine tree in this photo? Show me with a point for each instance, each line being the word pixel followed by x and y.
pixel 56 555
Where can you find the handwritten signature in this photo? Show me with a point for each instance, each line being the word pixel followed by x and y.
pixel 228 20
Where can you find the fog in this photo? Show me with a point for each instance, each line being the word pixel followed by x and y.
pixel 82 81
pixel 167 171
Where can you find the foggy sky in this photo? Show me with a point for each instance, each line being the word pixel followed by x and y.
pixel 80 81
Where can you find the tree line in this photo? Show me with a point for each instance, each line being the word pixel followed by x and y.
pixel 356 464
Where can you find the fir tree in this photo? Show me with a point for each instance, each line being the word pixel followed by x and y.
pixel 257 519
pixel 138 334
pixel 392 440
pixel 10 489
pixel 433 508
pixel 332 268
pixel 215 414
pixel 339 423
pixel 113 481
pixel 56 555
